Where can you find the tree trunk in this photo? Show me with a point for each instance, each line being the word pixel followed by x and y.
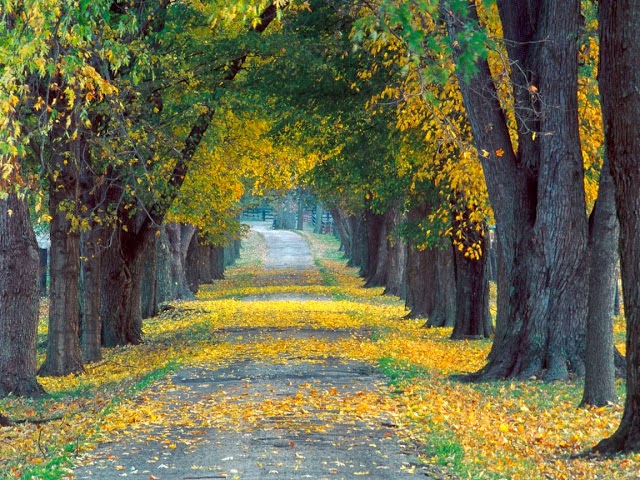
pixel 444 289
pixel 217 262
pixel 421 281
pixel 205 272
pixel 343 232
pixel 599 380
pixel 537 193
pixel 122 273
pixel 358 242
pixel 472 296
pixel 619 79
pixel 317 228
pixel 90 318
pixel 176 249
pixel 165 289
pixel 19 299
pixel 300 215
pixel 149 284
pixel 396 283
pixel 192 261
pixel 63 346
pixel 377 228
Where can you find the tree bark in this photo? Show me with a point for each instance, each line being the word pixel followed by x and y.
pixel 123 268
pixel 90 317
pixel 217 262
pixel 192 261
pixel 19 297
pixel 376 266
pixel 149 284
pixel 619 79
pixel 63 346
pixel 396 281
pixel 599 380
pixel 537 193
pixel 444 289
pixel 421 281
pixel 205 272
pixel 472 296
pixel 165 289
pixel 319 214
pixel 176 248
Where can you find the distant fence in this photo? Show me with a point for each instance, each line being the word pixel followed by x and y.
pixel 259 213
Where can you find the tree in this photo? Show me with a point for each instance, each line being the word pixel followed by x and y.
pixel 536 191
pixel 619 78
pixel 19 299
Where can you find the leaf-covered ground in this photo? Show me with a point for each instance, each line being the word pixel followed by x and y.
pixel 497 430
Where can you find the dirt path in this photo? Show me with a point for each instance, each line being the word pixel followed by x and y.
pixel 290 429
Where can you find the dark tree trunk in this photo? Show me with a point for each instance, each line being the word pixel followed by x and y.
pixel 599 380
pixel 537 194
pixel 217 262
pixel 149 284
pixel 178 249
pixel 237 245
pixel 63 345
pixel 192 261
pixel 619 80
pixel 317 228
pixel 300 214
pixel 421 281
pixel 358 242
pixel 19 299
pixel 343 232
pixel 122 273
pixel 376 266
pixel 93 243
pixel 396 283
pixel 472 296
pixel 165 289
pixel 205 272
pixel 90 317
pixel 443 287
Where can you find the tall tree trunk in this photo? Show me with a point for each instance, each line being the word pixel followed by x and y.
pixel 19 299
pixel 599 380
pixel 205 272
pixel 421 281
pixel 375 272
pixel 537 194
pixel 165 289
pixel 444 289
pixel 619 79
pixel 319 214
pixel 472 296
pixel 63 346
pixel 358 241
pixel 342 227
pixel 217 262
pixel 123 269
pixel 192 261
pixel 90 317
pixel 396 283
pixel 149 284
pixel 176 248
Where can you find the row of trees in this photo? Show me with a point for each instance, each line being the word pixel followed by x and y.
pixel 417 123
pixel 456 114
pixel 107 111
